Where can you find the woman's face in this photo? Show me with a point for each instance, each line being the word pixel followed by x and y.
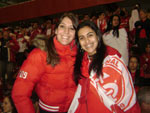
pixel 133 64
pixel 88 40
pixel 7 107
pixel 65 32
pixel 115 21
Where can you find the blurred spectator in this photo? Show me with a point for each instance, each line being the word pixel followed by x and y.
pixel 93 18
pixel 9 47
pixel 108 15
pixel 35 30
pixel 134 18
pixel 23 45
pixel 124 19
pixel 117 11
pixel 116 37
pixel 86 17
pixel 145 60
pixel 48 29
pixel 135 70
pixel 142 30
pixel 143 97
pixel 101 22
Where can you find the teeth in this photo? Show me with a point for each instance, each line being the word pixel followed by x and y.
pixel 65 37
pixel 88 46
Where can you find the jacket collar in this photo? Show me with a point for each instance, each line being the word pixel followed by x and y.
pixel 65 49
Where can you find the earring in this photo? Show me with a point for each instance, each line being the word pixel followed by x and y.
pixel 81 50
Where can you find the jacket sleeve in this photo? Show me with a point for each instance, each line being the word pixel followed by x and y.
pixel 28 76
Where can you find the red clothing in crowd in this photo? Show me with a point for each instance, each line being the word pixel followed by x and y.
pixel 35 32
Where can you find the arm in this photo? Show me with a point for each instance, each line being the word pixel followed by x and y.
pixel 29 75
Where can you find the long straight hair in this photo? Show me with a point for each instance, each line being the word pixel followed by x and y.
pixel 52 55
pixel 114 28
pixel 97 59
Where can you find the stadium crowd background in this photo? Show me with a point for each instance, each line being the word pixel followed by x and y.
pixel 19 38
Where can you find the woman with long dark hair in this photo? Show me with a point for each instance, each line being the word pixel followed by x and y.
pixel 116 37
pixel 49 70
pixel 104 83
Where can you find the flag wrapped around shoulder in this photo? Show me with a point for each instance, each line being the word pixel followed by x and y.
pixel 113 92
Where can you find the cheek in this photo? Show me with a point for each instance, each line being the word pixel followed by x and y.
pixel 59 32
pixel 81 44
pixel 72 33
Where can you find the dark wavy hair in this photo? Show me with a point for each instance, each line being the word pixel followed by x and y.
pixel 114 28
pixel 97 59
pixel 52 55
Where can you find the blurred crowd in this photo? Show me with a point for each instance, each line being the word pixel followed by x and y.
pixel 16 43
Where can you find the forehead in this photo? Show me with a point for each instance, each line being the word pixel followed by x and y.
pixel 133 59
pixel 115 18
pixel 85 30
pixel 66 20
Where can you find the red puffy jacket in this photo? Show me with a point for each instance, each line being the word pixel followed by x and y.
pixel 54 85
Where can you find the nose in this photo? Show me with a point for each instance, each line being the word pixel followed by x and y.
pixel 86 40
pixel 66 30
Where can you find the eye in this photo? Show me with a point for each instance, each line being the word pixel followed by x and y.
pixel 81 37
pixel 90 35
pixel 61 26
pixel 72 28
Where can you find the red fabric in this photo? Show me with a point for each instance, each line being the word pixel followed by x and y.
pixel 54 85
pixel 134 109
pixel 102 25
pixel 88 103
pixel 143 33
pixel 125 23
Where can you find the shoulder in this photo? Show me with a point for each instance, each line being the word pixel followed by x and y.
pixel 122 30
pixel 111 51
pixel 37 54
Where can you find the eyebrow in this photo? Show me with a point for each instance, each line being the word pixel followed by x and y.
pixel 65 24
pixel 90 32
pixel 87 33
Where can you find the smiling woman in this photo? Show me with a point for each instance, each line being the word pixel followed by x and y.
pixel 49 71
pixel 104 82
